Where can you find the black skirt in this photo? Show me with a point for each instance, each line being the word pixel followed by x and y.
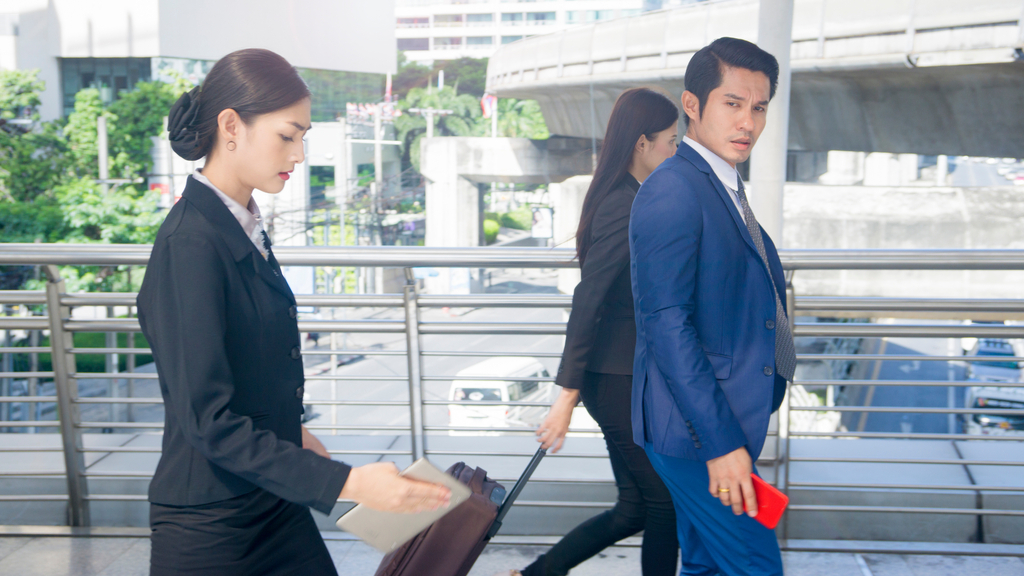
pixel 253 534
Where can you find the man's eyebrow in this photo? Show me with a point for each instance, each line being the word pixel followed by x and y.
pixel 300 126
pixel 732 96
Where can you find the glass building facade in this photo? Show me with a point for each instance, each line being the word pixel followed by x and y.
pixel 110 76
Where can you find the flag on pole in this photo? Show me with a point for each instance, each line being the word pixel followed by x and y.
pixel 489 105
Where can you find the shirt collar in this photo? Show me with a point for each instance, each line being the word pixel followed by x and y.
pixel 249 217
pixel 632 183
pixel 726 173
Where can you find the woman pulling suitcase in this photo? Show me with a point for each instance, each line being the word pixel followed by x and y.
pixel 597 361
pixel 238 472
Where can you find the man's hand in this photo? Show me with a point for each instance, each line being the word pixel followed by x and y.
pixel 731 483
pixel 310 442
pixel 379 486
pixel 554 428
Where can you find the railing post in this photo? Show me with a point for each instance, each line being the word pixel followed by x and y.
pixel 782 476
pixel 67 396
pixel 412 347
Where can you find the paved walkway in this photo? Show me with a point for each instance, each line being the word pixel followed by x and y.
pixel 80 556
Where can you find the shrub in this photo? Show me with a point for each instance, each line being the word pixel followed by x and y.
pixel 521 219
pixel 491 228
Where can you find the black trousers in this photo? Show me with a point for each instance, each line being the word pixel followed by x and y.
pixel 254 534
pixel 644 502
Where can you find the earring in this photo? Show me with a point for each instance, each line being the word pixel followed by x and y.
pixel 231 145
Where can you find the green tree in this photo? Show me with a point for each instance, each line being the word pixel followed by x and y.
pixel 19 92
pixel 520 119
pixel 31 163
pixel 80 132
pixel 411 127
pixel 119 216
pixel 410 75
pixel 135 118
pixel 469 75
pixel 31 155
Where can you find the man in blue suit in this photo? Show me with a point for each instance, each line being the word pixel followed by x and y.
pixel 714 346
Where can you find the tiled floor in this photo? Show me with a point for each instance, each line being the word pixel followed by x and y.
pixel 51 556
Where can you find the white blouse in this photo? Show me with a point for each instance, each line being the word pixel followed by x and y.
pixel 248 217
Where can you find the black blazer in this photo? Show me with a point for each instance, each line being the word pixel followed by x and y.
pixel 221 321
pixel 601 333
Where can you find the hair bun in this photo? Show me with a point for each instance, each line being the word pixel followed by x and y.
pixel 181 131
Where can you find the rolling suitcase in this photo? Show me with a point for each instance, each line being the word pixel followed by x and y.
pixel 451 545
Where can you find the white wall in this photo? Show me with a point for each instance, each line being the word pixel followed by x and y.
pixel 108 29
pixel 350 35
pixel 37 46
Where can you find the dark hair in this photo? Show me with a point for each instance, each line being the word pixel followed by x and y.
pixel 704 72
pixel 251 82
pixel 637 111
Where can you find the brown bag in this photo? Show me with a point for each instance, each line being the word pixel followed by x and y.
pixel 450 546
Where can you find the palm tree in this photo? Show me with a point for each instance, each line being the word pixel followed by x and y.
pixel 412 127
pixel 521 119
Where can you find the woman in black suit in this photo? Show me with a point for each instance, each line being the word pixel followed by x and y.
pixel 597 362
pixel 238 472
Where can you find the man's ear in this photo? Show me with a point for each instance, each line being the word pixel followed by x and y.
pixel 691 105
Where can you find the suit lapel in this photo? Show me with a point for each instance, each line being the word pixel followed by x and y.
pixel 270 272
pixel 701 164
pixel 224 222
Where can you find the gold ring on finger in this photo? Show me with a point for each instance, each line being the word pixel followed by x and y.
pixel 723 489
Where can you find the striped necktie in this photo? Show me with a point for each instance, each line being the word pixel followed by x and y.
pixel 785 350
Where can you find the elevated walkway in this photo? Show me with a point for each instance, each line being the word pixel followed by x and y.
pixel 903 76
pixel 119 554
pixel 579 485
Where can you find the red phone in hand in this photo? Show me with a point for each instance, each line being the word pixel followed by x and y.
pixel 770 503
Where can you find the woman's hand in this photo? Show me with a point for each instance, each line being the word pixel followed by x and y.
pixel 310 442
pixel 554 428
pixel 379 486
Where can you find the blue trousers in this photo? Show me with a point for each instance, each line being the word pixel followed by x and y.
pixel 713 539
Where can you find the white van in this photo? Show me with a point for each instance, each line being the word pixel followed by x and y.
pixel 506 382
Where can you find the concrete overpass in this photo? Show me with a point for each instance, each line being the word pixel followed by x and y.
pixel 906 76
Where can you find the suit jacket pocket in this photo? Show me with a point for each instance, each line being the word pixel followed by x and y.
pixel 721 364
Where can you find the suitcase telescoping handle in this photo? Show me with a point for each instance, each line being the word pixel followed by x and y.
pixel 511 498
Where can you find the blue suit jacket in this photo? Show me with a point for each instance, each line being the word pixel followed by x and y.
pixel 704 380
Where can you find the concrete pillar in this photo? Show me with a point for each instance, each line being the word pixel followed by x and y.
pixel 768 161
pixel 844 168
pixel 567 200
pixel 908 169
pixel 879 169
pixel 452 210
pixel 941 170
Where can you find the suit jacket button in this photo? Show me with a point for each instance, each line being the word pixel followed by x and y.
pixel 296 353
pixel 696 445
pixel 770 324
pixel 300 391
pixel 768 371
pixel 293 311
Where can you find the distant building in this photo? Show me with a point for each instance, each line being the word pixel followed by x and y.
pixel 447 29
pixel 113 44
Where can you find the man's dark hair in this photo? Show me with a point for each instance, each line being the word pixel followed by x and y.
pixel 704 72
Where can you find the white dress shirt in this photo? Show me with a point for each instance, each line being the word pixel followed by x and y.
pixel 249 218
pixel 726 173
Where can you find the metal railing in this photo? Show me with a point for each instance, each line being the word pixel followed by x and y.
pixel 402 315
